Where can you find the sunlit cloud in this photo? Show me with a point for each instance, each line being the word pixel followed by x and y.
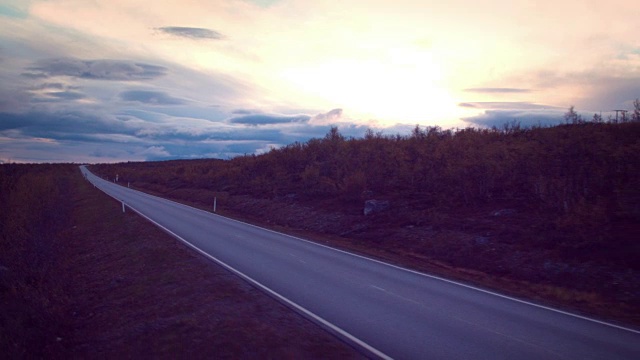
pixel 490 90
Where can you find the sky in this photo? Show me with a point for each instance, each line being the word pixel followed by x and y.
pixel 127 80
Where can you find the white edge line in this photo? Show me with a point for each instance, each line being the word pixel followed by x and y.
pixel 256 283
pixel 415 271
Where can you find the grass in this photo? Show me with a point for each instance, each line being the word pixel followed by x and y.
pixel 120 287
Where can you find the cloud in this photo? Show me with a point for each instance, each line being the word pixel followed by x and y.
pixel 263 3
pixel 151 97
pixel 328 118
pixel 145 135
pixel 497 90
pixel 61 124
pixel 46 86
pixel 155 153
pixel 608 86
pixel 191 32
pixel 264 119
pixel 67 95
pixel 505 105
pixel 12 12
pixel 612 94
pixel 60 97
pixel 35 75
pixel 527 114
pixel 104 69
pixel 526 118
pixel 243 112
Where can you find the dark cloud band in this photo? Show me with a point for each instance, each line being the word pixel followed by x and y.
pixel 532 117
pixel 497 90
pixel 505 105
pixel 263 119
pixel 118 70
pixel 151 97
pixel 191 32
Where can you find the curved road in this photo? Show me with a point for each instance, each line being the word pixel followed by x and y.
pixel 389 311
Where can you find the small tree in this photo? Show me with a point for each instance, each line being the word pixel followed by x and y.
pixel 334 135
pixel 636 110
pixel 572 117
pixel 417 133
pixel 597 118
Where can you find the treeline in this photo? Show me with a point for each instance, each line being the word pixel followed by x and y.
pixel 35 208
pixel 589 169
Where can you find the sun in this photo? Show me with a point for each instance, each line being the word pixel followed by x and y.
pixel 406 86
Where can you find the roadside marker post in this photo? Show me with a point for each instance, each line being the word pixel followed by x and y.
pixel 215 203
pixel 123 206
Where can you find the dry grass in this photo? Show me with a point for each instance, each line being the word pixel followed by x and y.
pixel 123 288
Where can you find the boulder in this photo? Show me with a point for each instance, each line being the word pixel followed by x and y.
pixel 504 212
pixel 375 206
pixel 481 240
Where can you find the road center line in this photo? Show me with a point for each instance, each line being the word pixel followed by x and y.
pixel 396 295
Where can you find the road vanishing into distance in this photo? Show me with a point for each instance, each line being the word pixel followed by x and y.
pixel 385 310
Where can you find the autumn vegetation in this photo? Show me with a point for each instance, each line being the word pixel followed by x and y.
pixel 557 206
pixel 34 217
pixel 578 180
pixel 81 279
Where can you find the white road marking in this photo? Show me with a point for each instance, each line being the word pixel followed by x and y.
pixel 396 295
pixel 297 258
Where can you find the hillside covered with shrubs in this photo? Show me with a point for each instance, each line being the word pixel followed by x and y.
pixel 548 205
pixel 584 175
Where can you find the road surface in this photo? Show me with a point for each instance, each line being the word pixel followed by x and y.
pixel 388 311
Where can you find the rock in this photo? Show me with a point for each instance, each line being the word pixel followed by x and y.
pixel 481 240
pixel 375 206
pixel 504 212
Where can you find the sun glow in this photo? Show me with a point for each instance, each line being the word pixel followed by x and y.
pixel 405 86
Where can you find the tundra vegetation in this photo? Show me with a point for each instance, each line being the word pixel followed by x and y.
pixel 551 213
pixel 80 279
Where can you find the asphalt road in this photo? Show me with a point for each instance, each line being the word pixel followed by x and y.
pixel 389 311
